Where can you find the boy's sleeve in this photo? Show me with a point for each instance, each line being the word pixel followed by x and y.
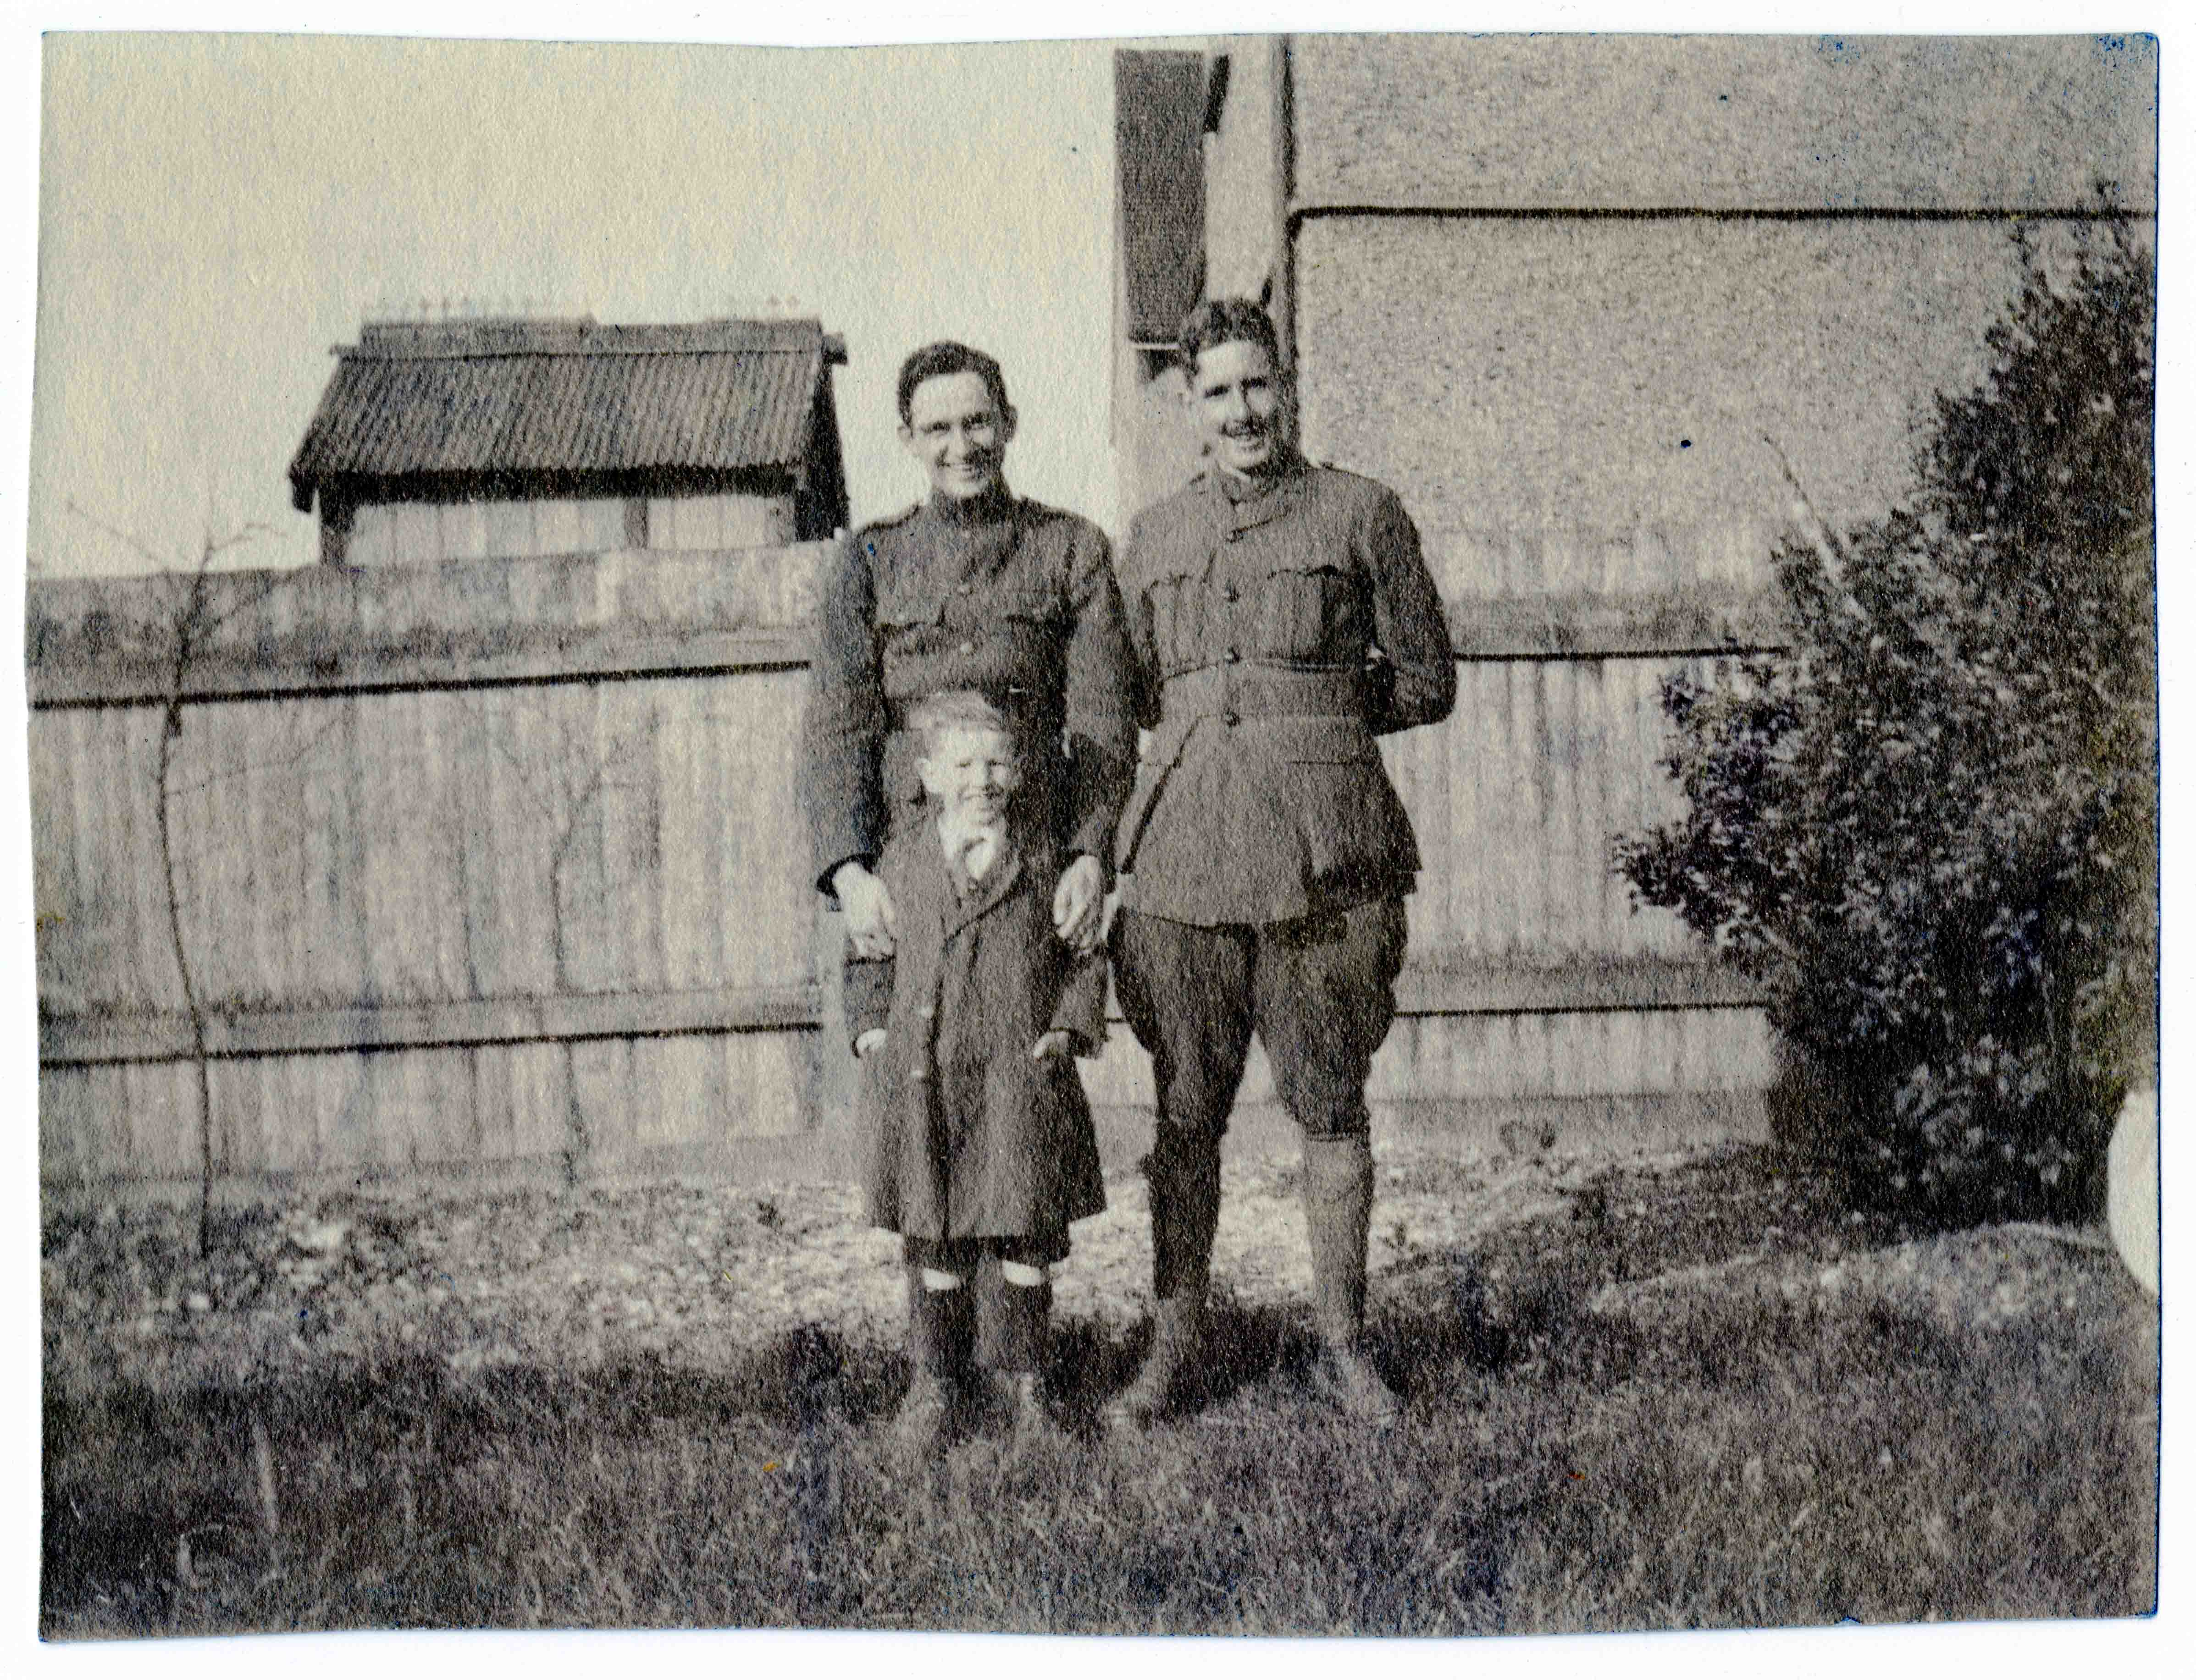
pixel 1081 1009
pixel 866 986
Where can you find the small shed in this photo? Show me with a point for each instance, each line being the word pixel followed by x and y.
pixel 506 438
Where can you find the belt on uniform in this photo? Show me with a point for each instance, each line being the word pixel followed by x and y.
pixel 1263 690
pixel 1250 694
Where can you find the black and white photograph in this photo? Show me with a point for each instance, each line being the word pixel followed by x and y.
pixel 1278 832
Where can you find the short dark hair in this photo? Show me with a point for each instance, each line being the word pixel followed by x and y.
pixel 1227 320
pixel 956 709
pixel 937 361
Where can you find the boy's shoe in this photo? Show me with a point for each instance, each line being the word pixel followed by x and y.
pixel 919 1426
pixel 1035 1427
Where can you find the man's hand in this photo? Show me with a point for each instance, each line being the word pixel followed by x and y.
pixel 870 920
pixel 1079 904
pixel 1059 1042
pixel 869 1043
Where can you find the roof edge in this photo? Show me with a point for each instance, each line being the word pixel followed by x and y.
pixel 462 340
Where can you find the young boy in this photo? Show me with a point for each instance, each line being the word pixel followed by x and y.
pixel 978 1147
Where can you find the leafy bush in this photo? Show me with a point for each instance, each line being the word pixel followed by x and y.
pixel 1930 826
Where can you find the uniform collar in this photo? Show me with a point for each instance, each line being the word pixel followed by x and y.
pixel 1242 505
pixel 988 509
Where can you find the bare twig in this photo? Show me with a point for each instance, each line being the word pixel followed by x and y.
pixel 194 621
pixel 276 761
pixel 171 729
pixel 134 544
pixel 1820 536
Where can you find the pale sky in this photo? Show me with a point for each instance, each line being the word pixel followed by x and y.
pixel 217 211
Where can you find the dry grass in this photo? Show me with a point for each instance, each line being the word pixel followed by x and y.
pixel 1653 1394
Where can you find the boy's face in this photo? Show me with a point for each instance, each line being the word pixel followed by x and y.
pixel 969 772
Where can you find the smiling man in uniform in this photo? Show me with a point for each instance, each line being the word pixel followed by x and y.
pixel 1282 619
pixel 972 589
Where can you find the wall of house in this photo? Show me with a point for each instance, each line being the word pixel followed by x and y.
pixel 421 533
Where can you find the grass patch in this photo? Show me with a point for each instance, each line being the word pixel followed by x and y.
pixel 1573 1457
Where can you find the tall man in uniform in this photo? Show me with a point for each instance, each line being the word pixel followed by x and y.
pixel 1282 618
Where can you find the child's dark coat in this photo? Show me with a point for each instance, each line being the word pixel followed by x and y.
pixel 963 1133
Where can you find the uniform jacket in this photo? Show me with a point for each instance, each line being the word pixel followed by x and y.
pixel 1275 638
pixel 964 1133
pixel 1016 600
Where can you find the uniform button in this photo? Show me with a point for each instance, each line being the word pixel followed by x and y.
pixel 967 648
pixel 1235 657
pixel 1231 719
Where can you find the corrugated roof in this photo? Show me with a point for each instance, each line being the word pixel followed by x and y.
pixel 565 395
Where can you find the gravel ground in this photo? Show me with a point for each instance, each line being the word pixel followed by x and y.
pixel 695 1273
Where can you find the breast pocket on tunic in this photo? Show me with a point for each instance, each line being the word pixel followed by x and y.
pixel 1304 613
pixel 902 610
pixel 1034 619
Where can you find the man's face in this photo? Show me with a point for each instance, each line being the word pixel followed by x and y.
pixel 1235 398
pixel 969 772
pixel 959 433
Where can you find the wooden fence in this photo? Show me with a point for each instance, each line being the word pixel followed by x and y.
pixel 494 862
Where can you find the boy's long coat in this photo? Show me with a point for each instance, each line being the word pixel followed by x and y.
pixel 963 1133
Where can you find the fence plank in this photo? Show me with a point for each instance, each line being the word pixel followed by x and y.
pixel 688 915
pixel 56 891
pixel 442 889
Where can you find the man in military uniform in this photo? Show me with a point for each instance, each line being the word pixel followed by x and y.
pixel 972 589
pixel 1282 618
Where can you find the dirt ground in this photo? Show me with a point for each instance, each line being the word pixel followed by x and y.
pixel 694 1272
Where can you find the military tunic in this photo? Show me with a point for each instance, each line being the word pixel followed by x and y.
pixel 1279 627
pixel 1008 598
pixel 1276 636
pixel 964 1133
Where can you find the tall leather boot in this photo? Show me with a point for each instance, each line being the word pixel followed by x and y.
pixel 939 1328
pixel 1183 1170
pixel 1338 1201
